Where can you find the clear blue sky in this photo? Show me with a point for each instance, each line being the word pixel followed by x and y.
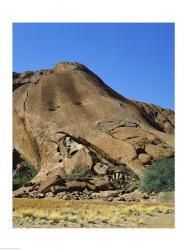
pixel 135 59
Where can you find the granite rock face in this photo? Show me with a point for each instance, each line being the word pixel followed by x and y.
pixel 67 122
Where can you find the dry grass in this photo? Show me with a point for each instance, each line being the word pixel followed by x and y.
pixel 71 213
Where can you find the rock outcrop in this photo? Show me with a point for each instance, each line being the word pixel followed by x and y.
pixel 68 123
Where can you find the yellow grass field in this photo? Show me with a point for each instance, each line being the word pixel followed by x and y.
pixel 34 213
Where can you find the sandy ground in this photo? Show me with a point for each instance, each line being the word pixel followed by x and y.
pixel 34 213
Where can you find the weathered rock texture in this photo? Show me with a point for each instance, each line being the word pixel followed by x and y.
pixel 68 122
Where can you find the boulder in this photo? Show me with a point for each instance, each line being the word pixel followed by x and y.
pixel 60 195
pixel 49 195
pixel 22 191
pixel 100 169
pixel 66 197
pixel 53 180
pixel 99 185
pixel 79 163
pixel 56 189
pixel 157 151
pixel 105 194
pixel 166 197
pixel 144 158
pixel 75 185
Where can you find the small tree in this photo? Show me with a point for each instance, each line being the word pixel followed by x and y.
pixel 159 177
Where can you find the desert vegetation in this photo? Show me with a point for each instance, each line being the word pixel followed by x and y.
pixel 89 159
pixel 23 174
pixel 159 176
pixel 99 214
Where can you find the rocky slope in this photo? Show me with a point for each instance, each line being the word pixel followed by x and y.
pixel 80 134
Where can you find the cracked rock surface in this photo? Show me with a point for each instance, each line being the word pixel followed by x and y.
pixel 68 123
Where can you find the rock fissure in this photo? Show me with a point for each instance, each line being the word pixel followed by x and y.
pixel 24 103
pixel 73 125
pixel 100 154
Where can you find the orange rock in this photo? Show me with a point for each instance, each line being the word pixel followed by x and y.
pixel 80 161
pixel 156 151
pixel 144 158
pixel 71 101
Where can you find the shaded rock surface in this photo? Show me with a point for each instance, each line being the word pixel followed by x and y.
pixel 69 124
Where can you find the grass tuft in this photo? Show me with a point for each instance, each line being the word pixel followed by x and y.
pixel 86 213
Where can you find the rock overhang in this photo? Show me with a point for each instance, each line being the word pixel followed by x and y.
pixel 35 126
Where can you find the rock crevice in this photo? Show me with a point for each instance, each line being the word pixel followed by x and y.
pixel 68 122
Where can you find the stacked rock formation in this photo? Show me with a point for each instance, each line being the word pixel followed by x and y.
pixel 69 124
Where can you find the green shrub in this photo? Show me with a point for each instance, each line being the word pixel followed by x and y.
pixel 159 177
pixel 25 174
pixel 79 172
